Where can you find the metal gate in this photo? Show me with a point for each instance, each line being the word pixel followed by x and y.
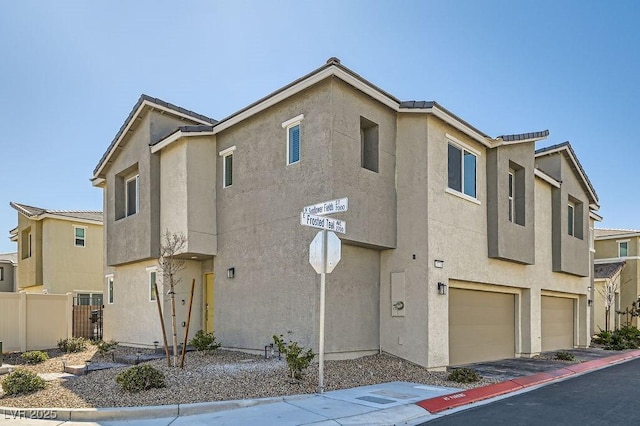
pixel 87 319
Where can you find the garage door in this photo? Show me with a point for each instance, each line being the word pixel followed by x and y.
pixel 557 323
pixel 481 326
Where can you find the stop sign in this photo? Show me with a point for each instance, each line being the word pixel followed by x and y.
pixel 316 250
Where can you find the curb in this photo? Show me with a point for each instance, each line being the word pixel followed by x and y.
pixel 146 412
pixel 446 402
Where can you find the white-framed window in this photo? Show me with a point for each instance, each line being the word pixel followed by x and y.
pixel 571 218
pixel 512 204
pixel 462 169
pixel 153 282
pixel 227 166
pixel 623 248
pixel 1 273
pixel 79 236
pixel 110 297
pixel 30 247
pixel 89 298
pixel 132 199
pixel 294 138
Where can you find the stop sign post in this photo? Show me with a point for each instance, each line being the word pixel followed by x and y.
pixel 325 252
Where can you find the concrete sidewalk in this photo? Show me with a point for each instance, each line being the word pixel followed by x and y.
pixel 384 404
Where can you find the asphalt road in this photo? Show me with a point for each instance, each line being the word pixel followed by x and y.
pixel 604 397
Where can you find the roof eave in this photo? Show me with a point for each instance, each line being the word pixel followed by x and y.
pixel 173 137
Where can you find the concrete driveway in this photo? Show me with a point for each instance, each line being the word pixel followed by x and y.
pixel 511 368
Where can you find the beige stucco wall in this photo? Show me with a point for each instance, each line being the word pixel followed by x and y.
pixel 460 240
pixel 65 267
pixel 132 319
pixel 29 268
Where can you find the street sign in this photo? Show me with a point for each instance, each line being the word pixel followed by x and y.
pixel 323 222
pixel 328 207
pixel 316 252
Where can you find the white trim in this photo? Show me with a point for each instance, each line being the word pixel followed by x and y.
pixel 227 151
pixel 512 195
pixel 623 241
pixel 70 219
pixel 174 137
pixel 627 244
pixel 595 216
pixel 290 122
pixel 98 182
pixel 110 290
pixel 616 259
pixel 463 147
pixel 457 141
pixel 75 237
pixel 545 177
pixel 125 132
pixel 615 236
pixel 462 195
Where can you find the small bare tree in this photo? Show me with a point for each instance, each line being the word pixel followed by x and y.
pixel 608 293
pixel 170 266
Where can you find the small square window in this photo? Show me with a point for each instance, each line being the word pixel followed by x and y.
pixel 79 236
pixel 623 249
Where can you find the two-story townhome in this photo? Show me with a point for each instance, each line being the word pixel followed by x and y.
pixel 8 262
pixel 459 246
pixel 619 247
pixel 59 252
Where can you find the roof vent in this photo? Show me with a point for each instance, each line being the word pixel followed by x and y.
pixel 333 60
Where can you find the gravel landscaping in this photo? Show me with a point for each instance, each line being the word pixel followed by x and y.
pixel 221 375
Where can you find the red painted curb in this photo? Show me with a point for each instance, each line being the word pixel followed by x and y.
pixel 445 402
pixel 441 403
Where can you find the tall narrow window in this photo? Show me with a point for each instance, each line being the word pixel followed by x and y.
pixel 152 285
pixel 623 249
pixel 30 246
pixel 512 205
pixel 571 219
pixel 368 145
pixel 79 236
pixel 110 289
pixel 227 166
pixel 1 273
pixel 462 170
pixel 294 138
pixel 131 197
pixel 25 243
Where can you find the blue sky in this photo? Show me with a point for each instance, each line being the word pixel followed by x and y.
pixel 70 72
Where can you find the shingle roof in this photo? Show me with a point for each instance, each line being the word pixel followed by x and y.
pixel 566 145
pixel 607 270
pixel 608 232
pixel 524 136
pixel 417 104
pixel 34 212
pixel 156 101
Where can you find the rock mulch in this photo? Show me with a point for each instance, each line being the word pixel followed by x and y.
pixel 221 375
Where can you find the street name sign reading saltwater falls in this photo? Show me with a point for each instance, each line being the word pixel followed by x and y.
pixel 325 252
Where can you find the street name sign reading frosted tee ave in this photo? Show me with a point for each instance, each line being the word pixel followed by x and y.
pixel 328 207
pixel 323 222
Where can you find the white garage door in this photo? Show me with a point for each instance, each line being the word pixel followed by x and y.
pixel 481 326
pixel 557 323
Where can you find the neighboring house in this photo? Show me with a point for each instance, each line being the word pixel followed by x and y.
pixel 60 251
pixel 8 262
pixel 615 246
pixel 606 297
pixel 460 247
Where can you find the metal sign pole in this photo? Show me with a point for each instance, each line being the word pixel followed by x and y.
pixel 323 275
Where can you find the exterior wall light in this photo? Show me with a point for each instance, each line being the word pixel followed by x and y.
pixel 231 272
pixel 438 263
pixel 442 288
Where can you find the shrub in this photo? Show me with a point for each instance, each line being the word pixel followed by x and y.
pixel 72 344
pixel 22 381
pixel 297 358
pixel 35 357
pixel 564 356
pixel 141 377
pixel 204 341
pixel 464 375
pixel 626 337
pixel 105 347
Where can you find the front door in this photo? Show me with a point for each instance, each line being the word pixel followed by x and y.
pixel 208 303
